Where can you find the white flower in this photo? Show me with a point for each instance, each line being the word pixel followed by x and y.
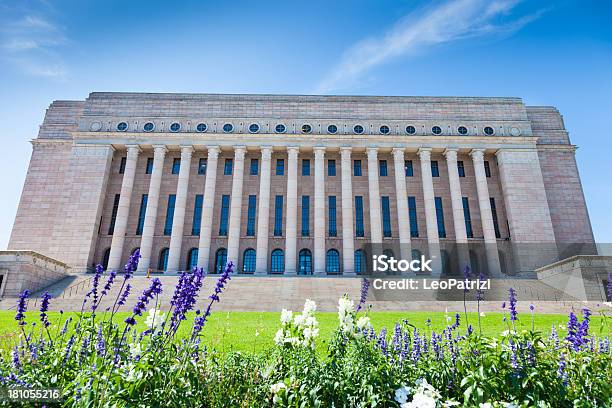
pixel 450 403
pixel 363 322
pixel 309 307
pixel 135 350
pixel 286 316
pixel 420 401
pixel 482 314
pixel 155 318
pixel 280 337
pixel 346 313
pixel 485 405
pixel 298 320
pixel 276 388
pixel 401 394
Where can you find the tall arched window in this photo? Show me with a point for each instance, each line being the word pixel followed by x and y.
pixel 332 264
pixel 105 257
pixel 220 260
pixel 502 262
pixel 277 261
pixel 162 263
pixel 359 262
pixel 474 263
pixel 305 262
pixel 416 254
pixel 248 261
pixel 192 258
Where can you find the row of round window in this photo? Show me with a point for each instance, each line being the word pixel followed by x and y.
pixel 306 128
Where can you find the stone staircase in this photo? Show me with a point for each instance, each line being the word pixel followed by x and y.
pixel 273 293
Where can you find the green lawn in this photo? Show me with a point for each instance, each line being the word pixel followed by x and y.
pixel 254 331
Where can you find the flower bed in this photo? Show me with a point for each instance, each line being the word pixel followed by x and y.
pixel 104 361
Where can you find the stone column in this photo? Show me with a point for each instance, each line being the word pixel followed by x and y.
pixel 233 237
pixel 148 229
pixel 486 215
pixel 291 225
pixel 121 220
pixel 319 211
pixel 403 219
pixel 178 222
pixel 433 241
pixel 374 199
pixel 263 216
pixel 348 236
pixel 208 204
pixel 457 204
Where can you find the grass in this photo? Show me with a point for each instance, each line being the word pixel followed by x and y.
pixel 254 331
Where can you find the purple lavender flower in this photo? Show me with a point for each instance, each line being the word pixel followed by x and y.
pixel 554 337
pixel 561 371
pixel 68 349
pixel 22 307
pixel 416 346
pixel 84 350
pixel 365 286
pixel 479 291
pixel 436 345
pixel 382 342
pixel 65 327
pixel 512 301
pixel 221 282
pixel 44 307
pixel 94 286
pixel 572 332
pixel 396 341
pixel 16 361
pixel 132 264
pixel 109 282
pixel 154 289
pixel 513 356
pixel 100 345
pixel 124 295
pixel 610 286
pixel 604 346
pixel 466 276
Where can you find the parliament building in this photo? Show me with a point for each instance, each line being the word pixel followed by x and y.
pixel 296 185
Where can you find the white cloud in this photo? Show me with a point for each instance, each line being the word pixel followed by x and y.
pixel 29 40
pixel 446 22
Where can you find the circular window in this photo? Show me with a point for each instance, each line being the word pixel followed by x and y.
pixel 489 130
pixel 333 129
pixel 201 127
pixel 148 127
pixel 515 131
pixel 358 129
pixel 228 127
pixel 95 126
pixel 306 128
pixel 175 127
pixel 253 128
pixel 384 129
pixel 462 130
pixel 122 126
pixel 436 130
pixel 411 130
pixel 280 128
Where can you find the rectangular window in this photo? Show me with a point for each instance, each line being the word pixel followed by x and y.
pixel 494 216
pixel 412 213
pixel 468 218
pixel 122 165
pixel 278 216
pixel 331 168
pixel 169 214
pixel 197 214
pixel 357 168
pixel 440 217
pixel 280 167
pixel 141 214
pixel 487 167
pixel 111 227
pixel 408 168
pixel 461 168
pixel 225 206
pixel 229 167
pixel 149 168
pixel 435 171
pixel 306 167
pixel 331 218
pixel 359 232
pixel 305 216
pixel 202 166
pixel 382 168
pixel 386 216
pixel 254 167
pixel 176 166
pixel 251 211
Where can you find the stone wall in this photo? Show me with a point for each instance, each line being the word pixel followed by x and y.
pixel 23 270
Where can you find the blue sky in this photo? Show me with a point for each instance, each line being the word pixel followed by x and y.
pixel 547 52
